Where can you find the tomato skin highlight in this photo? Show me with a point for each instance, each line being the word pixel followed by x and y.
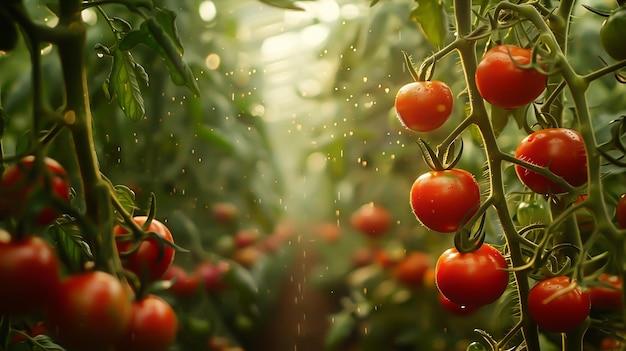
pixel 455 308
pixel 562 150
pixel 558 314
pixel 16 188
pixel 89 311
pixel 147 262
pixel 472 279
pixel 29 269
pixel 445 200
pixel 153 326
pixel 502 83
pixel 424 106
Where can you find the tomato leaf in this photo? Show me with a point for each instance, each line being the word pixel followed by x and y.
pixel 431 18
pixel 72 250
pixel 499 119
pixel 126 198
pixel 46 343
pixel 123 84
pixel 341 327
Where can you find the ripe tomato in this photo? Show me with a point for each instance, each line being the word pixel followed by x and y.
pixel 412 269
pixel 212 275
pixel 502 83
pixel 28 271
pixel 455 308
pixel 612 34
pixel 246 237
pixel 424 106
pixel 561 150
pixel 153 326
pixel 557 313
pixel 89 311
pixel 19 184
pixel 150 260
pixel 607 299
pixel 620 211
pixel 533 211
pixel 445 200
pixel 184 284
pixel 472 279
pixel 372 220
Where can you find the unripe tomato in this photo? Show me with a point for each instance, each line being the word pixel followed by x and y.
pixel 472 279
pixel 371 220
pixel 612 34
pixel 558 313
pixel 153 326
pixel 150 260
pixel 424 106
pixel 502 83
pixel 19 184
pixel 533 211
pixel 89 311
pixel 445 200
pixel 29 270
pixel 562 150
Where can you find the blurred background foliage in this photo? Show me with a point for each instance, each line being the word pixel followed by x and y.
pixel 294 128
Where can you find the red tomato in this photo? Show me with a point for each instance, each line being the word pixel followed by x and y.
pixel 153 326
pixel 557 313
pixel 212 275
pixel 562 150
pixel 246 237
pixel 620 211
pixel 150 261
pixel 455 308
pixel 19 182
pixel 445 200
pixel 184 284
pixel 424 106
pixel 412 269
pixel 607 298
pixel 503 83
pixel 28 271
pixel 89 311
pixel 472 279
pixel 372 220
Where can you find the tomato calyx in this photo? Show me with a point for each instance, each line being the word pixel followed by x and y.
pixel 438 162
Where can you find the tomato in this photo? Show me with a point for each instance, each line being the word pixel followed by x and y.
pixel 246 237
pixel 620 212
pixel 183 284
pixel 153 326
pixel 328 231
pixel 445 200
pixel 89 311
pixel 533 211
pixel 372 220
pixel 412 269
pixel 558 313
pixel 151 260
pixel 362 256
pixel 562 150
pixel 248 256
pixel 224 212
pixel 424 106
pixel 612 34
pixel 607 298
pixel 502 83
pixel 21 190
pixel 211 275
pixel 455 308
pixel 472 279
pixel 29 269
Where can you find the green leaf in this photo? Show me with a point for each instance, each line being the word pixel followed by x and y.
pixel 46 343
pixel 126 197
pixel 72 250
pixel 214 137
pixel 499 119
pixel 123 84
pixel 285 4
pixel 431 18
pixel 341 327
pixel 167 20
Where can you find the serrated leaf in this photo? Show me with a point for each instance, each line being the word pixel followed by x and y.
pixel 72 250
pixel 126 198
pixel 124 85
pixel 341 327
pixel 431 18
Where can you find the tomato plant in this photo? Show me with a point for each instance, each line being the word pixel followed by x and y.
pixel 29 270
pixel 557 306
pixel 152 257
pixel 561 150
pixel 503 81
pixel 611 34
pixel 372 220
pixel 607 297
pixel 424 106
pixel 27 192
pixel 184 284
pixel 412 269
pixel 153 326
pixel 533 211
pixel 89 311
pixel 472 279
pixel 445 200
